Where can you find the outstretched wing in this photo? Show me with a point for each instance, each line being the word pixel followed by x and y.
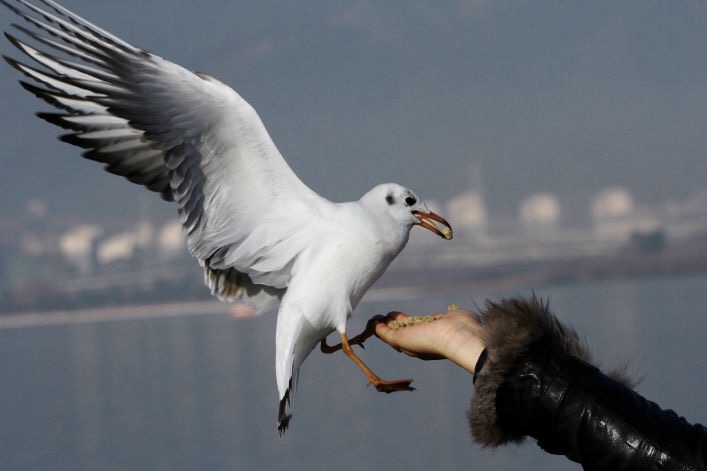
pixel 185 135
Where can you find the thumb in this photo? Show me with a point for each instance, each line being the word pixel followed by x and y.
pixel 382 329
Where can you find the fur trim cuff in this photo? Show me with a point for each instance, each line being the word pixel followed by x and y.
pixel 509 328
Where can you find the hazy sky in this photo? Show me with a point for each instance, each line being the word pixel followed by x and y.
pixel 560 96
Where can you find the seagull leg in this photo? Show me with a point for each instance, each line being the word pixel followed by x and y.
pixel 381 385
pixel 358 340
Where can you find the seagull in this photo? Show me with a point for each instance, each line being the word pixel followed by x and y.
pixel 262 237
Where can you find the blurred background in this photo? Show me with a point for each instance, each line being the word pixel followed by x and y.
pixel 564 141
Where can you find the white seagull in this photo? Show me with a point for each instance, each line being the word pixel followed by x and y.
pixel 261 235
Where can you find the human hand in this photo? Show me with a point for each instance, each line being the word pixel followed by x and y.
pixel 455 336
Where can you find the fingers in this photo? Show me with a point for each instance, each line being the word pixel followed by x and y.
pixel 403 333
pixel 455 335
pixel 396 319
pixel 397 316
pixel 381 328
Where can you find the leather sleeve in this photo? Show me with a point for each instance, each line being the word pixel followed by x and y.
pixel 537 380
pixel 573 409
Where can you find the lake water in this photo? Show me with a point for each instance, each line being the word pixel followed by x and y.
pixel 197 392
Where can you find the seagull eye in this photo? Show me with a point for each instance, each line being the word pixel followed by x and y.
pixel 410 200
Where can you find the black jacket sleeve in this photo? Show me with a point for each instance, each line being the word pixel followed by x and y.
pixel 537 381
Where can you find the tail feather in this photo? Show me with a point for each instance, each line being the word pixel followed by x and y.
pixel 295 338
pixel 285 410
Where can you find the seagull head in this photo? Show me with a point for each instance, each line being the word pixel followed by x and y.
pixel 406 208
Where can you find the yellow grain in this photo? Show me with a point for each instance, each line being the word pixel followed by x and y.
pixel 395 324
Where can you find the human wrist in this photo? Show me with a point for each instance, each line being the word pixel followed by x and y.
pixel 464 348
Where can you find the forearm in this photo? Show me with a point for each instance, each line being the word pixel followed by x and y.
pixel 573 409
pixel 533 384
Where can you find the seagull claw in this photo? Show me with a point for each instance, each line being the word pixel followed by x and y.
pixel 388 387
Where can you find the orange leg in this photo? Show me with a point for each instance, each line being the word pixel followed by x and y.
pixel 380 384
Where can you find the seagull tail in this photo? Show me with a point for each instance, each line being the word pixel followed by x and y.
pixel 295 338
pixel 284 414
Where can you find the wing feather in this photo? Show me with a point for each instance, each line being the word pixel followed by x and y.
pixel 185 135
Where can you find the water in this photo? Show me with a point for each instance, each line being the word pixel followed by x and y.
pixel 198 391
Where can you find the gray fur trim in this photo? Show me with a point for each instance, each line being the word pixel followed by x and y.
pixel 509 328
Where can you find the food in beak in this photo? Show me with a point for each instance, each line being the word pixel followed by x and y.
pixel 429 220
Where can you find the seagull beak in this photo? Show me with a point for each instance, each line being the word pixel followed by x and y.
pixel 429 220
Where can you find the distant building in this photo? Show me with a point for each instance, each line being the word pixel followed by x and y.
pixel 688 217
pixel 170 240
pixel 615 216
pixel 467 211
pixel 612 203
pixel 467 214
pixel 78 246
pixel 117 247
pixel 125 246
pixel 539 214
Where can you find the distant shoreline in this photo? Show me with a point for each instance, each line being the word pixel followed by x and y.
pixel 186 295
pixel 128 312
pixel 111 314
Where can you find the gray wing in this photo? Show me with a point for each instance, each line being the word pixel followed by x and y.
pixel 184 135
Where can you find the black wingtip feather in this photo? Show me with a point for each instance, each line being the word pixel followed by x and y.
pixel 13 63
pixel 75 140
pixel 48 96
pixel 13 40
pixel 283 418
pixel 57 119
pixel 12 8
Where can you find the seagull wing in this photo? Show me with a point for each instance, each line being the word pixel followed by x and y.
pixel 185 135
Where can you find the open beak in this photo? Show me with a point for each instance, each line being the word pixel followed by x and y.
pixel 429 221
